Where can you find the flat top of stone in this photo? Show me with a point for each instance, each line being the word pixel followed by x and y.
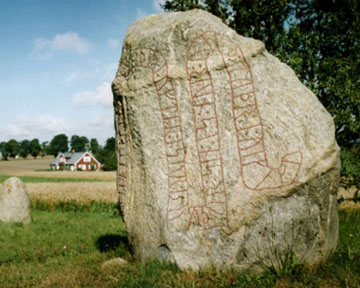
pixel 194 19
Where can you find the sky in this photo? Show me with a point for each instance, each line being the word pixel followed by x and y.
pixel 57 61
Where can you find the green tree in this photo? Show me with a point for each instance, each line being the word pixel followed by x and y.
pixel 323 50
pixel 4 151
pixel 24 148
pixel 35 147
pixel 107 155
pixel 79 143
pixel 110 144
pixel 13 148
pixel 318 39
pixel 182 5
pixel 59 144
pixel 219 8
pixel 94 145
pixel 110 161
pixel 260 19
pixel 107 158
pixel 44 149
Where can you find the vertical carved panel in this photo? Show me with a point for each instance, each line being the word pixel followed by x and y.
pixel 205 206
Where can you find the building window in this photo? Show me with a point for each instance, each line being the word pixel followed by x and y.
pixel 82 167
pixel 87 159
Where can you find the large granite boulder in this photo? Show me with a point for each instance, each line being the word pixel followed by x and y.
pixel 224 157
pixel 14 202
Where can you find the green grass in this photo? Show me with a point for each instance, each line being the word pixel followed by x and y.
pixel 30 179
pixel 344 264
pixel 75 206
pixel 54 244
pixel 66 249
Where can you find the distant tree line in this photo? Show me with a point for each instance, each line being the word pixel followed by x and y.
pixel 60 143
pixel 13 148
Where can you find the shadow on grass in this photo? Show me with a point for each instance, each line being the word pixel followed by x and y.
pixel 113 242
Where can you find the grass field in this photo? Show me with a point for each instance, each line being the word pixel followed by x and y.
pixel 66 249
pixel 55 249
pixel 32 179
pixel 76 227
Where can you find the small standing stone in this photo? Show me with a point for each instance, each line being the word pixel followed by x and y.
pixel 14 202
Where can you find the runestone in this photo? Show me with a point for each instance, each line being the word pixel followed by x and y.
pixel 215 144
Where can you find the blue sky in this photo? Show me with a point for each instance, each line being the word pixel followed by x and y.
pixel 57 61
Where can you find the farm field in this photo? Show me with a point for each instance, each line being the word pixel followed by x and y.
pixel 38 168
pixel 23 166
pixel 82 187
pixel 80 192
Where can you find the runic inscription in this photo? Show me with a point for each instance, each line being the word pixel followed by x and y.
pixel 207 136
pixel 247 119
pixel 178 204
pixel 209 211
pixel 205 206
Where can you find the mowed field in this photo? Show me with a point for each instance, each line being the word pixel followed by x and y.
pixel 61 186
pixel 38 168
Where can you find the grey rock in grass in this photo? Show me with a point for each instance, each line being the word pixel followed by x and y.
pixel 224 157
pixel 114 263
pixel 14 202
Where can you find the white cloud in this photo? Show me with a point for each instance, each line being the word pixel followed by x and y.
pixel 113 43
pixel 69 41
pixel 157 7
pixel 45 127
pixel 97 121
pixel 140 13
pixel 100 126
pixel 109 71
pixel 80 75
pixel 104 72
pixel 72 77
pixel 27 127
pixel 101 96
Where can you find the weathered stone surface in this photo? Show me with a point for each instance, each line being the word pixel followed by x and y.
pixel 224 157
pixel 14 202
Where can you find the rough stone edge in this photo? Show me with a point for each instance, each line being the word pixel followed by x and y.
pixel 322 250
